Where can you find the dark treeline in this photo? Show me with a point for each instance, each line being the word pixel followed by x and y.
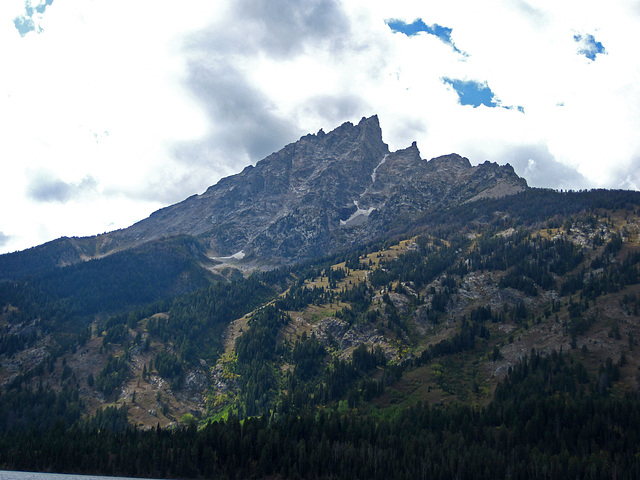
pixel 126 279
pixel 317 382
pixel 196 321
pixel 257 349
pixel 532 261
pixel 526 208
pixel 614 276
pixel 63 302
pixel 419 267
pixel 548 419
pixel 38 409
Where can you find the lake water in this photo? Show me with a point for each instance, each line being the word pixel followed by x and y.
pixel 8 475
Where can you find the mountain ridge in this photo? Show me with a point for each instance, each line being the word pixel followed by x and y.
pixel 320 194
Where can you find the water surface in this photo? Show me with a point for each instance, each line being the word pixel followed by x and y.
pixel 9 475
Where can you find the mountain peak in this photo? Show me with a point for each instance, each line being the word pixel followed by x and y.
pixel 370 121
pixel 451 160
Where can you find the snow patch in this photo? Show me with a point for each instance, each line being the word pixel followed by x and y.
pixel 358 213
pixel 236 256
pixel 373 175
pixel 361 215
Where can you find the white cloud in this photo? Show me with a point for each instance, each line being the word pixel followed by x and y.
pixel 155 101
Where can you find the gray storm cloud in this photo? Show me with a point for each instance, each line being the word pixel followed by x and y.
pixel 279 28
pixel 335 108
pixel 243 117
pixel 628 176
pixel 4 239
pixel 539 167
pixel 46 187
pixel 245 125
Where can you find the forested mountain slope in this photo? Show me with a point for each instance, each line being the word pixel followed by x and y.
pixel 432 308
pixel 488 317
pixel 440 314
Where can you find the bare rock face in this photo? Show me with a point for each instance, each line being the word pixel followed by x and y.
pixel 285 207
pixel 323 193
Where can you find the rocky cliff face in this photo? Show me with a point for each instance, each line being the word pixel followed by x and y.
pixel 324 192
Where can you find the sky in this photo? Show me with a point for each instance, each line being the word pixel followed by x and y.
pixel 110 110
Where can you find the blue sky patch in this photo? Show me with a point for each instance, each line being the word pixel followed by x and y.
pixel 472 93
pixel 588 46
pixel 24 25
pixel 43 6
pixel 412 29
pixel 27 23
pixel 475 94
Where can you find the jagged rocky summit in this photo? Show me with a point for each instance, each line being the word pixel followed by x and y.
pixel 325 192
